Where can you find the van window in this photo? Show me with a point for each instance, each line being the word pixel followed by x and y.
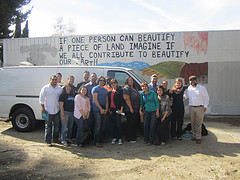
pixel 121 77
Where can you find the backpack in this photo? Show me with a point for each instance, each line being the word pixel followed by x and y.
pixel 189 128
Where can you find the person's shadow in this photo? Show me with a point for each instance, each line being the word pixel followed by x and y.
pixel 175 148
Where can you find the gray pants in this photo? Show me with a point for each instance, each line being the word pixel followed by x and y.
pixel 196 115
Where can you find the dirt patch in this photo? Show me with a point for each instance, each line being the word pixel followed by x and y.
pixel 234 120
pixel 25 156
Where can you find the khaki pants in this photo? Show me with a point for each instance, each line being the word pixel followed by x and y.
pixel 196 115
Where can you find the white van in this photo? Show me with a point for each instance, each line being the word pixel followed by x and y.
pixel 20 87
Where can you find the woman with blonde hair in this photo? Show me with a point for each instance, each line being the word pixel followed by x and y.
pixel 177 93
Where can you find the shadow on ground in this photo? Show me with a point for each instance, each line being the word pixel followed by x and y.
pixel 210 146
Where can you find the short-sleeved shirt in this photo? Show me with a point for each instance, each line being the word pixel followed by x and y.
pixel 134 97
pixel 90 86
pixel 68 100
pixel 102 94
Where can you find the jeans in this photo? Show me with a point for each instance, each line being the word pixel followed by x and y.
pixel 108 126
pixel 149 126
pixel 115 124
pixel 81 125
pixel 100 126
pixel 52 127
pixel 67 126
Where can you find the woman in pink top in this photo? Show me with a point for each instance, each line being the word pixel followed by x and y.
pixel 81 114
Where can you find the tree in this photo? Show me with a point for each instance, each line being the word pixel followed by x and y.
pixel 60 27
pixel 25 30
pixel 17 32
pixel 10 12
pixel 63 29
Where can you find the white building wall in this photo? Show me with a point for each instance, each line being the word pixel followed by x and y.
pixel 223 87
pixel 221 49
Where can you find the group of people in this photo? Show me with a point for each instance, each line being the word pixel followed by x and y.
pixel 94 108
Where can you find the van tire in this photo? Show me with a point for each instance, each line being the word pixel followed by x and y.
pixel 23 120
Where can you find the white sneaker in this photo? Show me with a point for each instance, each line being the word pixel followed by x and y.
pixel 120 141
pixel 133 141
pixel 114 141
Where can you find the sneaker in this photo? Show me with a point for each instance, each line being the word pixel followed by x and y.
pixel 133 141
pixel 57 141
pixel 149 144
pixel 64 143
pixel 70 142
pixel 80 145
pixel 120 141
pixel 114 141
pixel 198 141
pixel 179 138
pixel 163 144
pixel 49 145
pixel 193 139
pixel 98 145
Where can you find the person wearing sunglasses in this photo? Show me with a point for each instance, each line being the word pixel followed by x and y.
pixel 115 101
pixel 100 109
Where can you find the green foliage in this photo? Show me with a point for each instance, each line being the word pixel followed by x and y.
pixel 1 55
pixel 17 33
pixel 25 30
pixel 10 13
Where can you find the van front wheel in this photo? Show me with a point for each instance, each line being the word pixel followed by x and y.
pixel 23 120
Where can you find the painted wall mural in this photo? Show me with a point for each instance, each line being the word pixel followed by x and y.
pixel 168 54
pixel 198 41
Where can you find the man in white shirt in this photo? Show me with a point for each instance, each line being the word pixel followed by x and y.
pixel 198 102
pixel 48 99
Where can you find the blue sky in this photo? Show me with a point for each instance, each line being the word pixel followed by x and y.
pixel 132 16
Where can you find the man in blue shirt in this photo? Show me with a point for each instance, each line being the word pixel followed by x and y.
pixel 153 84
pixel 100 109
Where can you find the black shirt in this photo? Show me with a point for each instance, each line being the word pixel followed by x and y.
pixel 81 83
pixel 68 100
pixel 178 98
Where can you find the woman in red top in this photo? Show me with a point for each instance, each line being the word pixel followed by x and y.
pixel 115 98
